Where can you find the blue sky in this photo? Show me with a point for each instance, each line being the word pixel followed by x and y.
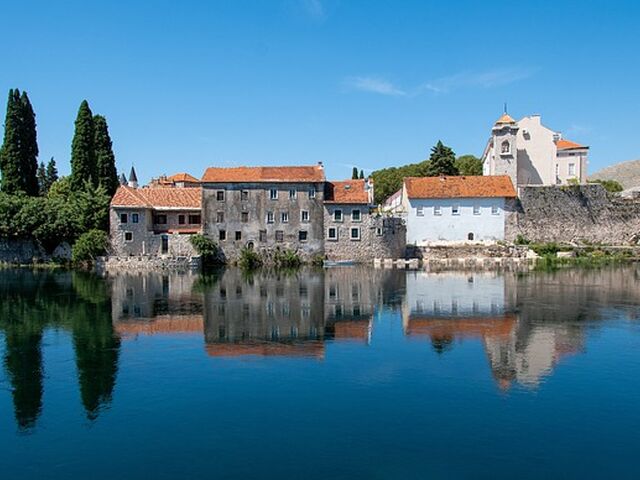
pixel 186 85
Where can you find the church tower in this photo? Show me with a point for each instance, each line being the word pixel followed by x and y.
pixel 505 151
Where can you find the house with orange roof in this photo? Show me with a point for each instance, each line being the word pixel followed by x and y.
pixel 451 210
pixel 532 154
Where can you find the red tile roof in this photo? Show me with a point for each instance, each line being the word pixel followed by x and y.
pixel 497 326
pixel 460 187
pixel 314 349
pixel 348 191
pixel 183 177
pixel 158 197
pixel 505 119
pixel 162 324
pixel 568 145
pixel 304 174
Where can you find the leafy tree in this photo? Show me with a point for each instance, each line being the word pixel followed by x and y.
pixel 361 174
pixel 612 186
pixel 469 165
pixel 89 245
pixel 441 161
pixel 42 179
pixel 387 181
pixel 28 146
pixel 52 173
pixel 107 175
pixel 354 173
pixel 10 152
pixel 206 248
pixel 83 160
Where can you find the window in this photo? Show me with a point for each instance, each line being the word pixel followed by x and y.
pixel 244 195
pixel 506 147
pixel 161 219
pixel 455 210
pixel 279 236
pixel 470 236
pixel 273 194
pixel 164 248
pixel 135 218
pixel 355 216
pixel 128 236
pixel 332 233
pixel 220 195
pixel 270 217
pixel 219 217
pixel 124 218
pixel 263 236
pixel 572 169
pixel 355 233
pixel 180 219
pixel 284 217
pixel 194 219
pixel 420 211
pixel 312 192
pixel 302 236
pixel 337 215
pixel 495 210
pixel 304 216
pixel 379 231
pixel 557 169
pixel 292 194
pixel 244 217
pixel 222 235
pixel 238 235
pixel 476 209
pixel 437 210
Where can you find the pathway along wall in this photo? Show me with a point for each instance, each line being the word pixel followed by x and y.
pixel 580 214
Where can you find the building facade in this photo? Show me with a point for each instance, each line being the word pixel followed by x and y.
pixel 532 154
pixel 445 210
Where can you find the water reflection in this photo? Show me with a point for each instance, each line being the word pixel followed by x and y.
pixel 526 324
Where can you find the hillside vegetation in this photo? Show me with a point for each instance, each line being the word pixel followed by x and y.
pixel 626 173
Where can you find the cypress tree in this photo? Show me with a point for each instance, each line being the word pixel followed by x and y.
pixel 441 161
pixel 28 146
pixel 354 173
pixel 52 173
pixel 10 153
pixel 42 179
pixel 361 174
pixel 83 161
pixel 107 175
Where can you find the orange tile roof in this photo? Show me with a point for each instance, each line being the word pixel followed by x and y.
pixel 568 145
pixel 183 177
pixel 348 191
pixel 505 119
pixel 159 325
pixel 158 197
pixel 460 187
pixel 461 327
pixel 266 349
pixel 264 174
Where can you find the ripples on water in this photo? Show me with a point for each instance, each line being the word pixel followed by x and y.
pixel 346 372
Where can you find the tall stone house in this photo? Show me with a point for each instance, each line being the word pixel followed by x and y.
pixel 532 154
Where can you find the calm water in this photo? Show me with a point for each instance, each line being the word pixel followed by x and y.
pixel 343 373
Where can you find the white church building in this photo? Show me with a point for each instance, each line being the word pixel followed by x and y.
pixel 532 154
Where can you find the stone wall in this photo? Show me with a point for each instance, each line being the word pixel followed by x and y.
pixel 380 237
pixel 146 263
pixel 21 251
pixel 581 213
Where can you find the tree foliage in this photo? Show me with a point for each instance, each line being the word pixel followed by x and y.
pixel 107 176
pixel 441 161
pixel 89 246
pixel 354 173
pixel 387 181
pixel 612 186
pixel 83 160
pixel 469 165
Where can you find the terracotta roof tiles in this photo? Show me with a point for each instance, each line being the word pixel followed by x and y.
pixel 306 174
pixel 505 119
pixel 568 145
pixel 348 191
pixel 158 197
pixel 183 177
pixel 460 187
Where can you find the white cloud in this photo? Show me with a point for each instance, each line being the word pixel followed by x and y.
pixel 485 79
pixel 374 85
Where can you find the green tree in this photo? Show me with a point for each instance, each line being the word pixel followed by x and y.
pixel 10 152
pixel 83 160
pixel 354 173
pixel 469 165
pixel 441 161
pixel 90 245
pixel 28 146
pixel 388 181
pixel 612 186
pixel 361 174
pixel 42 179
pixel 52 173
pixel 105 159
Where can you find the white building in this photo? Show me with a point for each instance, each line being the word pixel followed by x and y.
pixel 532 154
pixel 442 210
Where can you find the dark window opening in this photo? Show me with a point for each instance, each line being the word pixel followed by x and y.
pixel 194 219
pixel 180 219
pixel 222 235
pixel 161 219
pixel 124 218
pixel 238 235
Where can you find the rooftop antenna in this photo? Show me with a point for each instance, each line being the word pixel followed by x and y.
pixel 505 107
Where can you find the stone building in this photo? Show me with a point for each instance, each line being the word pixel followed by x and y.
pixel 156 221
pixel 354 228
pixel 532 154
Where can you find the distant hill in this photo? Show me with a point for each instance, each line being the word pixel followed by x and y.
pixel 627 173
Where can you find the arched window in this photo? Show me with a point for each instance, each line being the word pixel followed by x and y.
pixel 506 147
pixel 250 245
pixel 470 236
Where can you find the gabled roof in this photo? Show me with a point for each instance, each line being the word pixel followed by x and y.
pixel 563 144
pixel 460 187
pixel 306 174
pixel 183 177
pixel 505 119
pixel 158 197
pixel 348 191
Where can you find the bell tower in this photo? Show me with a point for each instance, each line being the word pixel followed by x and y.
pixel 505 152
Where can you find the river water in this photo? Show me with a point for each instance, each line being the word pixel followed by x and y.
pixel 341 373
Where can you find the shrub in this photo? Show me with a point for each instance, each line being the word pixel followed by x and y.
pixel 522 240
pixel 546 249
pixel 89 245
pixel 611 186
pixel 286 259
pixel 249 259
pixel 206 248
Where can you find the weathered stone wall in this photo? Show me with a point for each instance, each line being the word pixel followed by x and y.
pixel 20 251
pixel 584 213
pixel 146 263
pixel 380 237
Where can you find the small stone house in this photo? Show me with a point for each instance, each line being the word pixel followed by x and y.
pixel 354 228
pixel 445 210
pixel 155 220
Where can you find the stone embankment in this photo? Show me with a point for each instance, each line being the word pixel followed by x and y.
pixel 146 263
pixel 24 252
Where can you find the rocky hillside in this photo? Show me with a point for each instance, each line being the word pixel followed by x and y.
pixel 627 173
